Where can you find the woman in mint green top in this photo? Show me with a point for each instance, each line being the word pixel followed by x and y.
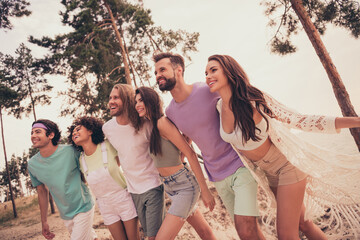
pixel 100 165
pixel 180 184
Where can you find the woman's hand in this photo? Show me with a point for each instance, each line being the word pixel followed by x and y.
pixel 208 199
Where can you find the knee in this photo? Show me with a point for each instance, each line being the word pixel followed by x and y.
pixel 305 226
pixel 204 232
pixel 247 231
pixel 244 234
pixel 285 234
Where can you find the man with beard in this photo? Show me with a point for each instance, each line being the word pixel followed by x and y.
pixel 131 139
pixel 57 167
pixel 193 111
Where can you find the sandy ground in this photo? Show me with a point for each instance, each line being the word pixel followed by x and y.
pixel 28 226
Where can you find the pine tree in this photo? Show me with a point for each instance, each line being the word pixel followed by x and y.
pixel 12 8
pixel 110 42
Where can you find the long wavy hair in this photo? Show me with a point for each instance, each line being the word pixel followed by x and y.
pixel 154 111
pixel 127 96
pixel 243 94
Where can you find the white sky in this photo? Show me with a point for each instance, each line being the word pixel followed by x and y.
pixel 233 27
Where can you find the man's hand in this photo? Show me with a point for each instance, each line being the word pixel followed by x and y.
pixel 46 231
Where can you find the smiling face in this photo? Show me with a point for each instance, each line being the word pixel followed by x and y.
pixel 115 104
pixel 39 138
pixel 81 135
pixel 165 74
pixel 215 77
pixel 140 106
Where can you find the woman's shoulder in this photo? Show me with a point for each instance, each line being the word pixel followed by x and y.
pixel 163 122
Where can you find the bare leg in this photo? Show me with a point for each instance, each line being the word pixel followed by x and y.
pixel 289 203
pixel 170 227
pixel 132 229
pixel 201 226
pixel 248 228
pixel 311 231
pixel 117 230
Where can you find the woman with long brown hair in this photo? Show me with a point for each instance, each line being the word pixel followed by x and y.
pixel 180 184
pixel 253 122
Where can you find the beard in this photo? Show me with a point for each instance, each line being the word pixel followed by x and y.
pixel 119 112
pixel 169 84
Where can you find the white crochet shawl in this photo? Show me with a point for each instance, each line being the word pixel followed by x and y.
pixel 332 195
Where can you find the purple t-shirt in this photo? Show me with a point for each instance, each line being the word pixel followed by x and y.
pixel 198 118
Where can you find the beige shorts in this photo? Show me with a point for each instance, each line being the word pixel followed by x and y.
pixel 80 227
pixel 279 171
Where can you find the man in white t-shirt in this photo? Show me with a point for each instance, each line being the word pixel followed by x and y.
pixel 132 143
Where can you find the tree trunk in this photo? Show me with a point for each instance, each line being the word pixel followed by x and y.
pixel 19 174
pixel 118 36
pixel 341 94
pixel 7 167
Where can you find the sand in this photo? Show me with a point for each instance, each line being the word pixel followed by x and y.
pixel 28 225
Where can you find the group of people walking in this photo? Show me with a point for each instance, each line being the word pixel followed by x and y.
pixel 242 132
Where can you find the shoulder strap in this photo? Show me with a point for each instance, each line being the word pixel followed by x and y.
pixel 104 154
pixel 85 168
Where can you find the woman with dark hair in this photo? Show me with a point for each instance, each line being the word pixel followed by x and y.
pixel 100 165
pixel 253 122
pixel 180 184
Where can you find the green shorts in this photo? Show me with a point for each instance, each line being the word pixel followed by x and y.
pixel 238 193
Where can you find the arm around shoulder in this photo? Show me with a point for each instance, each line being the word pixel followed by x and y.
pixel 169 131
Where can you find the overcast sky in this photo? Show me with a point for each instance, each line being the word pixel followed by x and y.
pixel 236 28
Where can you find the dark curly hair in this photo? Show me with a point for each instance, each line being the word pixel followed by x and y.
pixel 90 123
pixel 51 128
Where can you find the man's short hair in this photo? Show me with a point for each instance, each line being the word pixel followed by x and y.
pixel 175 59
pixel 51 128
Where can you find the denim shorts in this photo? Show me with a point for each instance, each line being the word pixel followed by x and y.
pixel 183 190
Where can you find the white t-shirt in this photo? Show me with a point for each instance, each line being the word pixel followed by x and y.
pixel 133 151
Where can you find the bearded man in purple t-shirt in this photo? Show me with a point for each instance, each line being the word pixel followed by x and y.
pixel 193 111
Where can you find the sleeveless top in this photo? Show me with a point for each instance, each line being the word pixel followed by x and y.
pixel 170 156
pixel 235 137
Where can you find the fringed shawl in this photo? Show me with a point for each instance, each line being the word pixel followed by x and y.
pixel 332 194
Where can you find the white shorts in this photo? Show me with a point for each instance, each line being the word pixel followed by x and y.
pixel 80 227
pixel 116 207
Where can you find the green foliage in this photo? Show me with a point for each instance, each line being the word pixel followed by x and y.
pixel 342 13
pixel 14 175
pixel 8 96
pixel 26 80
pixel 18 170
pixel 90 54
pixel 12 8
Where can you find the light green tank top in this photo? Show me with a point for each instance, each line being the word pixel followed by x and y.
pixel 170 156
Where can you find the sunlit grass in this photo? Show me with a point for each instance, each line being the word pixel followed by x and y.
pixel 22 206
